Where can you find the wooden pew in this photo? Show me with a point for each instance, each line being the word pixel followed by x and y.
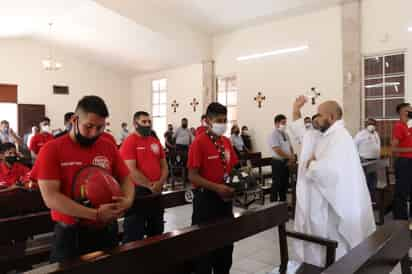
pixel 379 253
pixel 384 195
pixel 20 202
pixel 170 253
pixel 14 231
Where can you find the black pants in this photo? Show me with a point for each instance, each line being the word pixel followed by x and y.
pixel 403 188
pixel 73 241
pixel 280 180
pixel 138 224
pixel 208 206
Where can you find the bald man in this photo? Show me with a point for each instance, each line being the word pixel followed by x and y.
pixel 341 207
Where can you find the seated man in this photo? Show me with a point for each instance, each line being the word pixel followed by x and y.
pixel 11 171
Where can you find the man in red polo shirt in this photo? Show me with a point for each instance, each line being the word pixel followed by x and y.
pixel 211 159
pixel 203 126
pixel 39 140
pixel 402 148
pixel 11 171
pixel 109 138
pixel 58 163
pixel 145 158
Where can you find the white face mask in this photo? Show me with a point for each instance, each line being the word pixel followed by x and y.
pixel 46 129
pixel 371 128
pixel 282 128
pixel 308 125
pixel 219 128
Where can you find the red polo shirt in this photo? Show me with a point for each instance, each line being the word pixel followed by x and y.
pixel 39 140
pixel 62 158
pixel 10 176
pixel 200 130
pixel 204 155
pixel 403 134
pixel 109 138
pixel 147 152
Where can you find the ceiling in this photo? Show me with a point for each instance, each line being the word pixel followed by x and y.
pixel 217 16
pixel 139 36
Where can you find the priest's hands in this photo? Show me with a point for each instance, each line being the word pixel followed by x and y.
pixel 313 158
pixel 299 102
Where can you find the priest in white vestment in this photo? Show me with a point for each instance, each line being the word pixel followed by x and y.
pixel 332 196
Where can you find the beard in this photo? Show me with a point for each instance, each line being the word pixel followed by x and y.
pixel 323 128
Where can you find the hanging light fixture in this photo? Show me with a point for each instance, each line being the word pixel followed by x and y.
pixel 50 63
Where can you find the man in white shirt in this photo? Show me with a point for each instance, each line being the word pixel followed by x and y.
pixel 7 134
pixel 368 143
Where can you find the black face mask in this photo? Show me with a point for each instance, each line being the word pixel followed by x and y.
pixel 236 132
pixel 11 159
pixel 145 131
pixel 184 125
pixel 84 141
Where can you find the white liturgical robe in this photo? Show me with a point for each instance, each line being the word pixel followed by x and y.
pixel 332 199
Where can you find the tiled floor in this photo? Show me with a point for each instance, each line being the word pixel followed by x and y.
pixel 258 254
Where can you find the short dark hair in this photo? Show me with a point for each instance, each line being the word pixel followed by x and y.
pixel 214 109
pixel 93 104
pixel 184 119
pixel 6 146
pixel 45 119
pixel 138 114
pixel 123 124
pixel 204 116
pixel 401 106
pixel 68 116
pixel 279 118
pixel 307 117
pixel 4 122
pixel 244 127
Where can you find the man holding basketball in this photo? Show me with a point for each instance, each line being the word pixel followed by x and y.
pixel 57 165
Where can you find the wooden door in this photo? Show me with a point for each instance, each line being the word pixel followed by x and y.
pixel 28 116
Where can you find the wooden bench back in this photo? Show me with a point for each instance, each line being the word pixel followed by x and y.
pixel 168 252
pixel 379 253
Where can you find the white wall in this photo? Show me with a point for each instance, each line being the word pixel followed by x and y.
pixel 391 19
pixel 20 63
pixel 184 84
pixel 281 78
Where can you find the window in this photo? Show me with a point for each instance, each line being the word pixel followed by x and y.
pixel 384 89
pixel 227 95
pixel 159 107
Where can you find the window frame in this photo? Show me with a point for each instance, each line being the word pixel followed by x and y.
pixel 159 104
pixel 227 79
pixel 384 78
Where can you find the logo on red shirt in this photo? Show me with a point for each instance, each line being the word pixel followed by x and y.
pixel 101 161
pixel 155 148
